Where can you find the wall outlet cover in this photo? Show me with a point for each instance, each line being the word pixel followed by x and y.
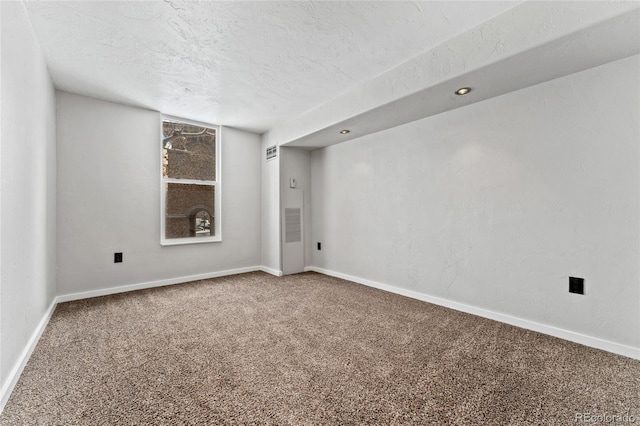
pixel 576 285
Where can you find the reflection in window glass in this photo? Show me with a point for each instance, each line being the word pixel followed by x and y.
pixel 189 173
pixel 189 207
pixel 189 151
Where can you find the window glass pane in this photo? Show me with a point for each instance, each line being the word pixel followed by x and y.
pixel 189 151
pixel 189 210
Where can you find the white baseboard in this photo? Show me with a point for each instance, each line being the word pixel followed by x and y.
pixel 593 342
pixel 151 284
pixel 16 371
pixel 271 271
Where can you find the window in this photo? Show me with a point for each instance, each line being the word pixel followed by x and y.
pixel 190 193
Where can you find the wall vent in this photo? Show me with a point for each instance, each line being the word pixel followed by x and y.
pixel 293 225
pixel 272 152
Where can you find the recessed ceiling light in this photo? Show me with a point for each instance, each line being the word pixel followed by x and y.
pixel 463 91
pixel 344 132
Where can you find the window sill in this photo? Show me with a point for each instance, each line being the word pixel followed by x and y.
pixel 191 240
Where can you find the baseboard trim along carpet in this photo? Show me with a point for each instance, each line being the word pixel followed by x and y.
pixel 271 271
pixel 593 342
pixel 582 339
pixel 16 371
pixel 158 283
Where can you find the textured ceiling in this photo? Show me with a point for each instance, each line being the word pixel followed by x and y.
pixel 249 65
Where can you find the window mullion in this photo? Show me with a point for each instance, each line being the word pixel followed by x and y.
pixel 190 181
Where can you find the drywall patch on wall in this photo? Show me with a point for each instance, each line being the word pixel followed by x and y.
pixel 109 200
pixel 496 204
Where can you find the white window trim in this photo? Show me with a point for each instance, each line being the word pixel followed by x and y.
pixel 217 183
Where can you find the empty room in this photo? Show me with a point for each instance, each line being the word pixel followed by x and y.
pixel 319 212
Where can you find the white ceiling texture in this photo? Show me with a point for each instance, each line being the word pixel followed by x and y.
pixel 243 64
pixel 301 70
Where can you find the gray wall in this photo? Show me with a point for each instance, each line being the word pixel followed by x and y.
pixel 109 200
pixel 494 205
pixel 28 193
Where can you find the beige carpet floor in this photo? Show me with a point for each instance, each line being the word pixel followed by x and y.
pixel 302 350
